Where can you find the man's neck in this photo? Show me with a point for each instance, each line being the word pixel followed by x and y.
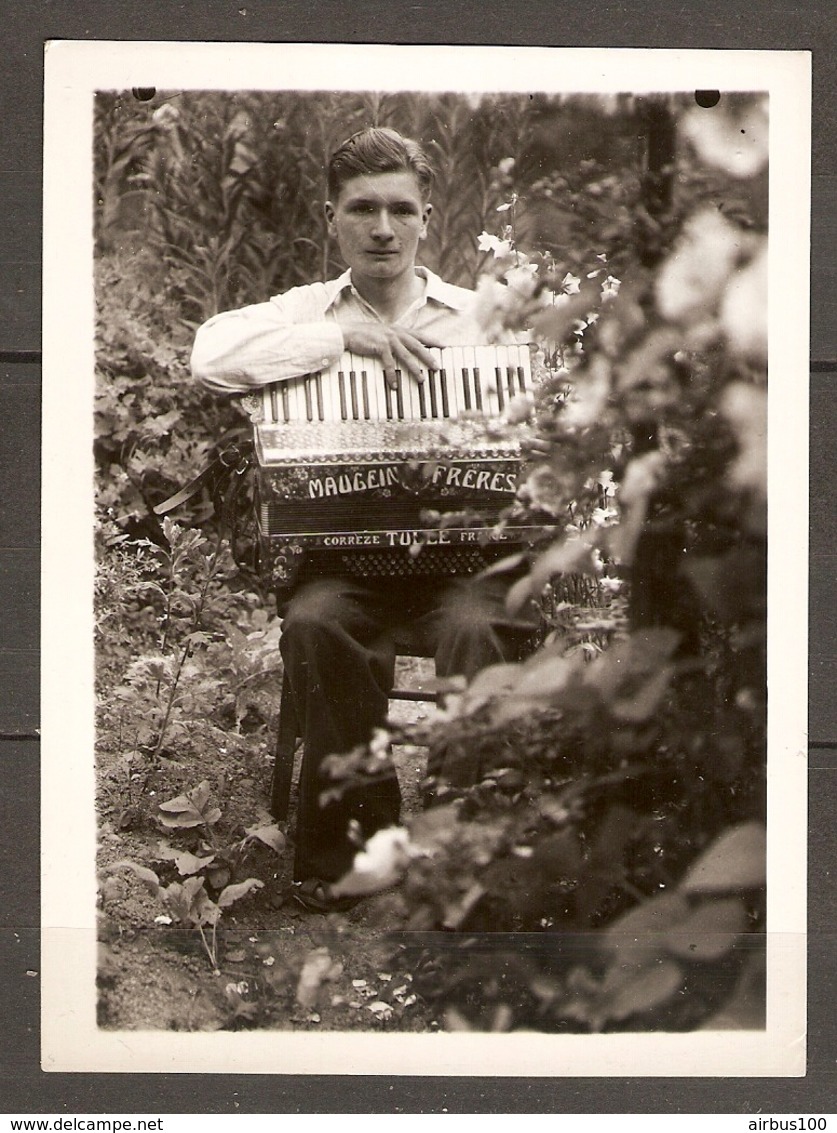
pixel 390 298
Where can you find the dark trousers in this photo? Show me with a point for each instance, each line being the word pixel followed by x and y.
pixel 339 656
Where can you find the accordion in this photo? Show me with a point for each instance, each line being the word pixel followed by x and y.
pixel 356 477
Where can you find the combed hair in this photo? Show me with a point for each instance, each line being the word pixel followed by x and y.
pixel 378 150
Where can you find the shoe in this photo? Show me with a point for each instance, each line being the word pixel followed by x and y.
pixel 316 896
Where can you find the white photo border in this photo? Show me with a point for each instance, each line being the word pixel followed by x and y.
pixel 71 1040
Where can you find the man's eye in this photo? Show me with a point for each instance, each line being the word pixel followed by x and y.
pixel 404 210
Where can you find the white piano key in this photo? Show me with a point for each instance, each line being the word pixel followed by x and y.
pixel 294 397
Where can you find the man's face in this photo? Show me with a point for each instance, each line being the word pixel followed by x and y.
pixel 378 220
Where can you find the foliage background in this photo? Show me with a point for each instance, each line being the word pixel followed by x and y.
pixel 621 771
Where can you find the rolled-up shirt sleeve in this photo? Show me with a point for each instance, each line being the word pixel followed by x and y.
pixel 266 342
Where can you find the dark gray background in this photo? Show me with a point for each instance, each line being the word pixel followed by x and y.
pixel 778 24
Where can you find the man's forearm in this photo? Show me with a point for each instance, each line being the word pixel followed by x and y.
pixel 243 350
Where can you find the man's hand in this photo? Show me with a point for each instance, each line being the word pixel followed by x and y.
pixel 398 349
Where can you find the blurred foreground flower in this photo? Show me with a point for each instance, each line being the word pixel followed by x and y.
pixel 379 865
pixel 736 141
pixel 744 309
pixel 745 407
pixel 691 282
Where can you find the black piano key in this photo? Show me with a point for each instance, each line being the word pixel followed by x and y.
pixel 286 403
pixel 422 401
pixel 399 395
pixel 274 403
pixel 466 389
pixel 364 389
pixel 510 380
pixel 431 383
pixel 498 381
pixel 353 392
pixel 521 379
pixel 320 405
pixel 443 383
pixel 309 406
pixel 477 389
pixel 388 398
pixel 341 385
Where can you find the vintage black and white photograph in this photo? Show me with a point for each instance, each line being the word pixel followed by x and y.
pixel 417 488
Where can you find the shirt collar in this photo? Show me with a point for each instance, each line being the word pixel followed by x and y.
pixel 436 290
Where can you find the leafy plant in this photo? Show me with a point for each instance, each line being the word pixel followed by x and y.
pixel 189 903
pixel 580 793
pixel 214 864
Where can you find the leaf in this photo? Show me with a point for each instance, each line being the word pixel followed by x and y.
pixel 710 932
pixel 642 931
pixel 233 893
pixel 176 901
pixel 271 836
pixel 494 681
pixel 643 703
pixel 736 860
pixel 503 566
pixel 147 876
pixel 573 555
pixel 649 988
pixel 185 862
pixel 380 1009
pixel 544 675
pixel 195 799
pixel 191 887
pixel 203 910
pixel 187 811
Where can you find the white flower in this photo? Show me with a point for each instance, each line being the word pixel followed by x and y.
pixel 744 308
pixel 522 279
pixel 604 516
pixel 488 243
pixel 589 397
pixel 165 115
pixel 506 165
pixel 692 280
pixel 491 306
pixel 745 407
pixel 378 865
pixel 738 143
pixel 610 287
pixel 571 284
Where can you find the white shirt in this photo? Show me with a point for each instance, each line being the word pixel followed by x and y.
pixel 299 332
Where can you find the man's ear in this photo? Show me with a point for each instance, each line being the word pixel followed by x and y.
pixel 328 209
pixel 425 217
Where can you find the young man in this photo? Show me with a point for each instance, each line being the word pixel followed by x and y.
pixel 337 642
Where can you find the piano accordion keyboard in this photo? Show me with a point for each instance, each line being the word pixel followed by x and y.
pixel 481 379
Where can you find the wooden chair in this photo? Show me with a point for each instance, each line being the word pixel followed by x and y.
pixel 288 733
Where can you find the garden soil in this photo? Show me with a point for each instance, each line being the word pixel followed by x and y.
pixel 279 966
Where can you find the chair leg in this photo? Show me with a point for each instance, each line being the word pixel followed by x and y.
pixel 287 742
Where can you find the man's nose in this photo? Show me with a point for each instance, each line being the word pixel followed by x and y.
pixel 382 229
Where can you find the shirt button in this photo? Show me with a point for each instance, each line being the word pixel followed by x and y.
pixel 324 361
